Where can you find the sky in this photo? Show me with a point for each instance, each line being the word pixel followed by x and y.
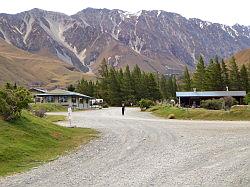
pixel 227 12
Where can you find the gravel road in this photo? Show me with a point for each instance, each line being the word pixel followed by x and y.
pixel 139 149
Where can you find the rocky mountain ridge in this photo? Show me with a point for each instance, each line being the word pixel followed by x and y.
pixel 155 40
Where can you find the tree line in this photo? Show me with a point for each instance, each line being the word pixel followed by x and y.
pixel 217 76
pixel 118 86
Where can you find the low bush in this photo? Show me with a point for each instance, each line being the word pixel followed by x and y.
pixel 146 103
pixel 13 100
pixel 212 104
pixel 40 113
pixel 218 104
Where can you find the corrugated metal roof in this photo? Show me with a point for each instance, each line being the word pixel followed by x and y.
pixel 59 92
pixel 211 94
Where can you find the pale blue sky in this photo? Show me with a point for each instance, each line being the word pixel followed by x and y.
pixel 221 11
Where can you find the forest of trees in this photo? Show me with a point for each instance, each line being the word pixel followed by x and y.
pixel 130 86
pixel 217 76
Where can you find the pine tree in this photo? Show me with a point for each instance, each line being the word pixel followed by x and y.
pixel 137 83
pixel 244 78
pixel 164 87
pixel 234 75
pixel 199 75
pixel 127 86
pixel 213 76
pixel 114 89
pixel 224 75
pixel 175 86
pixel 187 80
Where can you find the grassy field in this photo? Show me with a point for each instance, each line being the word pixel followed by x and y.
pixel 237 113
pixel 31 141
pixel 49 107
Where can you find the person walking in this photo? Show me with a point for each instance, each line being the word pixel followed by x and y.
pixel 123 109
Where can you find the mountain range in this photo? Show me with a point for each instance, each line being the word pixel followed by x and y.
pixel 157 41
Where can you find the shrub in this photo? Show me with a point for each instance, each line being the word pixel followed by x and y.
pixel 229 102
pixel 105 105
pixel 12 100
pixel 145 103
pixel 40 113
pixel 171 116
pixel 212 104
pixel 247 99
pixel 218 104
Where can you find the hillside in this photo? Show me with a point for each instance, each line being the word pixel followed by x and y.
pixel 30 141
pixel 26 68
pixel 155 40
pixel 243 57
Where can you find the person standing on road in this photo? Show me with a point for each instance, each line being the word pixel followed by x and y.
pixel 123 109
pixel 70 115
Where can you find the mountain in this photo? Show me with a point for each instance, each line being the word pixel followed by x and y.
pixel 243 57
pixel 155 40
pixel 26 68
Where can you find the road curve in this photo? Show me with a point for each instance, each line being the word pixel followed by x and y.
pixel 139 149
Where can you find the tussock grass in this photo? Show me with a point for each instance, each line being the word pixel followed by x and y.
pixel 30 141
pixel 237 113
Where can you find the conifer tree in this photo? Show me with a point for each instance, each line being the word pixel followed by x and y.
pixel 234 75
pixel 199 75
pixel 224 75
pixel 114 89
pixel 187 80
pixel 137 83
pixel 127 86
pixel 244 78
pixel 164 87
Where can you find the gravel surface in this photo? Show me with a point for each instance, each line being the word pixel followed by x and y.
pixel 139 149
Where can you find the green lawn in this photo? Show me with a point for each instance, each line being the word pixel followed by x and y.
pixel 30 141
pixel 237 113
pixel 49 107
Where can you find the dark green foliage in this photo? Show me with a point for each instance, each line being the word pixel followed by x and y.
pixel 126 86
pixel 187 80
pixel 199 75
pixel 13 100
pixel 146 103
pixel 218 104
pixel 244 78
pixel 71 88
pixel 247 99
pixel 234 75
pixel 229 102
pixel 86 87
pixel 224 75
pixel 212 104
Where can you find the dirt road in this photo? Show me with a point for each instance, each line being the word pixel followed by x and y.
pixel 139 149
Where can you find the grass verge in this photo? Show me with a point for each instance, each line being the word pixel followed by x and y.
pixel 237 113
pixel 31 141
pixel 49 107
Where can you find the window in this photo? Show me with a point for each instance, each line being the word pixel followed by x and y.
pixel 73 99
pixel 63 99
pixel 50 99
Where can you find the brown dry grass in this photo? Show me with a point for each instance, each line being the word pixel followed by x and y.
pixel 25 68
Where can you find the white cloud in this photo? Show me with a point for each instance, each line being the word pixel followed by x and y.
pixel 222 11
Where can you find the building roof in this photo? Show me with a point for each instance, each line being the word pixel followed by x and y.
pixel 38 90
pixel 59 92
pixel 211 94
